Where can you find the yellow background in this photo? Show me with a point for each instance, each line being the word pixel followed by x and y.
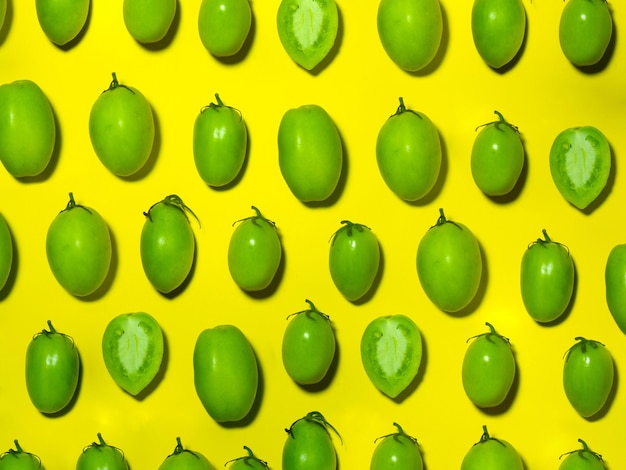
pixel 542 94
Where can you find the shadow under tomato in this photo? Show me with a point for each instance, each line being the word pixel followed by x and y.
pixel 8 20
pixel 160 375
pixel 610 183
pixel 441 52
pixel 74 399
pixel 604 62
pixel 241 54
pixel 419 377
pixel 164 42
pixel 328 378
pixel 154 153
pixel 108 280
pixel 10 282
pixel 610 399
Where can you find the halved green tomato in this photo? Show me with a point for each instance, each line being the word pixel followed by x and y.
pixel 580 164
pixel 307 29
pixel 132 347
pixel 391 352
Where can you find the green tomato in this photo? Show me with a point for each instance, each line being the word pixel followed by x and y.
pixel 254 252
pixel 52 369
pixel 497 157
pixel 309 445
pixel 185 459
pixel 308 346
pixel 492 454
pixel 226 373
pixel 310 153
pixel 167 244
pixel 449 264
pixel 248 462
pixel 546 279
pixel 397 451
pixel 582 459
pixel 615 285
pixel 307 29
pixel 580 164
pixel 498 29
pixel 27 128
pixel 488 369
pixel 79 249
pixel 588 375
pixel 101 456
pixel 585 31
pixel 62 20
pixel 6 252
pixel 121 129
pixel 408 153
pixel 18 459
pixel 391 353
pixel 410 31
pixel 224 25
pixel 132 348
pixel 354 259
pixel 148 21
pixel 220 142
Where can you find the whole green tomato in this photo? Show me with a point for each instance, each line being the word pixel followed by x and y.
pixel 498 29
pixel 224 25
pixel 27 128
pixel 588 375
pixel 226 373
pixel 580 164
pixel 391 353
pixel 79 249
pixel 6 252
pixel 101 456
pixel 309 445
pixel 248 462
pixel 167 244
pixel 148 21
pixel 354 259
pixel 497 157
pixel 185 459
pixel 52 369
pixel 310 153
pixel 132 349
pixel 615 285
pixel 585 31
pixel 254 252
pixel 397 451
pixel 18 459
pixel 492 454
pixel 121 129
pixel 582 459
pixel 220 142
pixel 488 369
pixel 62 20
pixel 307 30
pixel 449 264
pixel 408 153
pixel 547 279
pixel 308 346
pixel 410 31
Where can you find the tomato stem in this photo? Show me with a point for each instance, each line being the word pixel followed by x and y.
pixel 101 440
pixel 500 122
pixel 218 99
pixel 248 457
pixel 18 447
pixel 52 330
pixel 403 109
pixel 175 201
pixel 115 84
pixel 585 449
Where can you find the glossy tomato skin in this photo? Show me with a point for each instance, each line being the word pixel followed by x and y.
pixel 148 21
pixel 547 279
pixel 397 451
pixel 588 375
pixel 309 445
pixel 224 25
pixel 18 459
pixel 497 157
pixel 582 459
pixel 167 244
pixel 254 253
pixel 308 346
pixel 27 128
pixel 615 285
pixel 226 374
pixel 220 142
pixel 185 459
pixel 488 369
pixel 6 252
pixel 498 30
pixel 121 129
pixel 449 264
pixel 354 259
pixel 585 31
pixel 52 369
pixel 248 462
pixel 101 456
pixel 492 454
pixel 410 31
pixel 79 249
pixel 408 153
pixel 62 20
pixel 391 353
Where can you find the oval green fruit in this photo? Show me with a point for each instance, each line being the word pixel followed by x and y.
pixel 62 20
pixel 248 462
pixel 582 459
pixel 6 252
pixel 224 25
pixel 148 21
pixel 309 445
pixel 397 451
pixel 492 454
pixel 615 285
pixel 101 456
pixel 185 459
pixel 18 459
